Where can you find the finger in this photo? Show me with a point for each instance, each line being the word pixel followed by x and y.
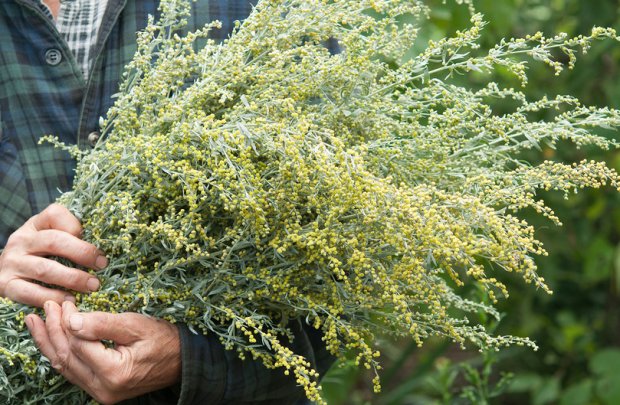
pixel 39 333
pixel 51 272
pixel 33 294
pixel 92 352
pixel 56 217
pixel 64 361
pixel 123 329
pixel 95 356
pixel 37 329
pixel 52 242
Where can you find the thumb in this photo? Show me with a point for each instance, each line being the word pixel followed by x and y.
pixel 120 328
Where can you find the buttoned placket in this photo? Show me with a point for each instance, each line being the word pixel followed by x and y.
pixel 86 134
pixel 60 53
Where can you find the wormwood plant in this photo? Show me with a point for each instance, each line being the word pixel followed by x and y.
pixel 266 180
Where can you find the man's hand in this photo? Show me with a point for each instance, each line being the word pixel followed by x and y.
pixel 146 356
pixel 53 232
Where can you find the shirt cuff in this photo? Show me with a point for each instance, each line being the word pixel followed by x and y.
pixel 203 370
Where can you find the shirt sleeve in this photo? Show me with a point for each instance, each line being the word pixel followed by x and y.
pixel 216 376
pixel 14 204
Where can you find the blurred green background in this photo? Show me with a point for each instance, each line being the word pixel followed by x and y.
pixel 578 327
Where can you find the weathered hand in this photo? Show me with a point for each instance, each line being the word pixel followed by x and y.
pixel 146 356
pixel 53 232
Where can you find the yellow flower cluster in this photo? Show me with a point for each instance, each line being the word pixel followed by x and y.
pixel 271 179
pixel 25 376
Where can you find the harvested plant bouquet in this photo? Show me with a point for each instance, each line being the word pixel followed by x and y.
pixel 268 178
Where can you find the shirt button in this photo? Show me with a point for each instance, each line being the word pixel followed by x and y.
pixel 93 137
pixel 53 57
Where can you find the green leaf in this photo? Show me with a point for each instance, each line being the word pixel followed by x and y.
pixel 578 394
pixel 608 389
pixel 339 381
pixel 606 362
pixel 525 382
pixel 548 392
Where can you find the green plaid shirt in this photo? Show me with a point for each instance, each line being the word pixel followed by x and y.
pixel 43 91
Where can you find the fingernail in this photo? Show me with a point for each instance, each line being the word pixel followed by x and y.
pixel 70 298
pixel 101 262
pixel 93 284
pixel 46 306
pixel 75 322
pixel 65 305
pixel 29 322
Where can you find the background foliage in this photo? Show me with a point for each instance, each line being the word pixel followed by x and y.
pixel 577 328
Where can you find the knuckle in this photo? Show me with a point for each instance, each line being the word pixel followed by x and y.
pixel 75 344
pixel 43 270
pixel 58 211
pixel 5 291
pixel 86 250
pixel 51 242
pixel 54 210
pixel 75 279
pixel 8 268
pixel 62 357
pixel 60 362
pixel 8 261
pixel 17 238
pixel 38 273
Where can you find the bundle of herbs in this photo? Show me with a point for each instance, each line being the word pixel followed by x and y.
pixel 243 184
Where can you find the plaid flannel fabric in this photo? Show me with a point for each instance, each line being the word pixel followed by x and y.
pixel 78 23
pixel 43 91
